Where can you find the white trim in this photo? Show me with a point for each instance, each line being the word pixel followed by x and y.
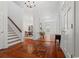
pixel 67 54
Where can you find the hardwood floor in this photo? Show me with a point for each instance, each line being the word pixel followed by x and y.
pixel 33 49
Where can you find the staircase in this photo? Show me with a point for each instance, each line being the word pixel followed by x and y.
pixel 13 38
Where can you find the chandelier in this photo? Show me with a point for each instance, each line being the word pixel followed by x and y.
pixel 30 4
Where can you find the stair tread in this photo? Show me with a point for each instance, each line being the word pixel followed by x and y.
pixel 13 37
pixel 11 32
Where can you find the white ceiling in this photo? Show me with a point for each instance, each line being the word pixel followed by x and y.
pixel 48 10
pixel 19 3
pixel 43 5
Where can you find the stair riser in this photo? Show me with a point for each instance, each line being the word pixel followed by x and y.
pixel 10 41
pixel 11 44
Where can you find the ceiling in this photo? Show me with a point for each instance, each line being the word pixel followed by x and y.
pixel 48 10
pixel 41 3
pixel 19 3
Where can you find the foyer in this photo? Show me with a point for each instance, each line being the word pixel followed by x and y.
pixel 39 29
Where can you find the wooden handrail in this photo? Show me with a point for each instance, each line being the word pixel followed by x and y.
pixel 14 24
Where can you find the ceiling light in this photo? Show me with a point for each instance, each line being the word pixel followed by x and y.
pixel 30 4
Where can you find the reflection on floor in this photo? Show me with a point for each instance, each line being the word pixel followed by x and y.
pixel 33 49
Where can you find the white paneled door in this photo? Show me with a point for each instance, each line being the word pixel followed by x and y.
pixel 70 41
pixel 68 29
pixel 1 29
pixel 3 24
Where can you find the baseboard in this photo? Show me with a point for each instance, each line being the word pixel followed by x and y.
pixel 67 54
pixel 12 46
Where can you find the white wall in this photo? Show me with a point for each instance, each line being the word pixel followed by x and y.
pixel 49 16
pixel 36 23
pixel 77 29
pixel 28 18
pixel 15 12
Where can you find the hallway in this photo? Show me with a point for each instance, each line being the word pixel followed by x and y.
pixel 39 29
